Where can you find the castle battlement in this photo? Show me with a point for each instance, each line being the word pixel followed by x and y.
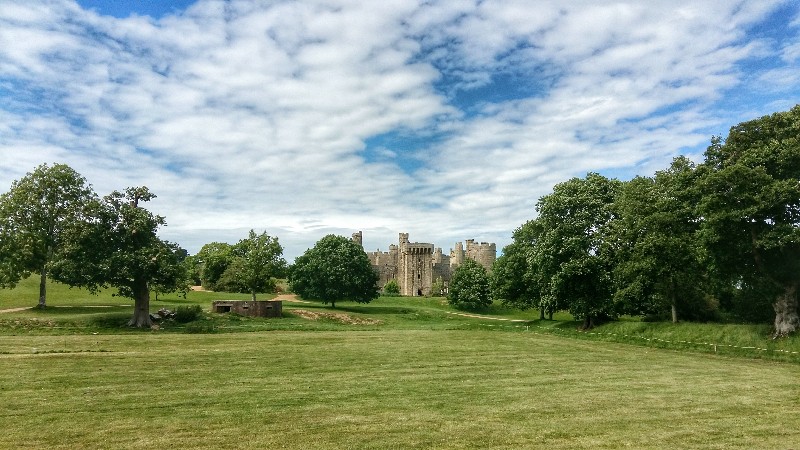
pixel 417 265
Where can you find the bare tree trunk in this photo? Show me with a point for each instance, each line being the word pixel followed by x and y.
pixel 787 319
pixel 43 288
pixel 141 309
pixel 674 312
pixel 541 313
pixel 254 295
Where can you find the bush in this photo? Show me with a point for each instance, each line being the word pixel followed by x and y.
pixel 391 288
pixel 188 313
pixel 469 287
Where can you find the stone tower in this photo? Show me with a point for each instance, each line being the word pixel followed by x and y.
pixel 358 238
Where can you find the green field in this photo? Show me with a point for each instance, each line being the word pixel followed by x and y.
pixel 398 373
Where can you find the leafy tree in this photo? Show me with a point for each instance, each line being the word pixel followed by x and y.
pixel 469 287
pixel 335 269
pixel 256 264
pixel 213 259
pixel 119 247
pixel 751 210
pixel 391 288
pixel 514 277
pixel 572 270
pixel 657 251
pixel 33 217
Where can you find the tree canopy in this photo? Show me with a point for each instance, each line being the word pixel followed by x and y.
pixel 751 210
pixel 255 265
pixel 469 287
pixel 335 269
pixel 34 214
pixel 118 246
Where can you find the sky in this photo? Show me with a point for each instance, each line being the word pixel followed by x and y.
pixel 444 119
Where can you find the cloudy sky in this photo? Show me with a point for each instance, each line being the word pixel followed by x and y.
pixel 444 119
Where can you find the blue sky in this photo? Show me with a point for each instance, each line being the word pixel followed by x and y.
pixel 447 119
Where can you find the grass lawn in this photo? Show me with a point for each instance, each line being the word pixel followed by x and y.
pixel 397 373
pixel 385 389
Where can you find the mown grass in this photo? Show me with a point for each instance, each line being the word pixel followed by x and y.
pixel 397 373
pixel 385 389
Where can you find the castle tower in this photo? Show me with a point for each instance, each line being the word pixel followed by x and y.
pixel 457 255
pixel 357 238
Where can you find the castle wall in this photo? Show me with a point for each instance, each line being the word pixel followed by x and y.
pixel 416 266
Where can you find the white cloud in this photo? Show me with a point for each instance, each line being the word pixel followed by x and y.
pixel 247 115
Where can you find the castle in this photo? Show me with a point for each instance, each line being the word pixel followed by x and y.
pixel 416 266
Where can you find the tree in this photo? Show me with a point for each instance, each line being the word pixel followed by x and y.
pixel 655 244
pixel 751 210
pixel 437 287
pixel 469 287
pixel 256 264
pixel 33 217
pixel 572 270
pixel 514 278
pixel 335 269
pixel 391 288
pixel 213 259
pixel 118 247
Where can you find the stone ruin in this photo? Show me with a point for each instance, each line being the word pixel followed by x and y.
pixel 258 308
pixel 416 266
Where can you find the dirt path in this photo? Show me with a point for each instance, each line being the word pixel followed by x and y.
pixel 290 298
pixel 13 310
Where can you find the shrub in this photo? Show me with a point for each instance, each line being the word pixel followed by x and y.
pixel 391 288
pixel 188 313
pixel 469 287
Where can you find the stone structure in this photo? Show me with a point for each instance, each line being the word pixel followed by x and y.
pixel 258 308
pixel 416 266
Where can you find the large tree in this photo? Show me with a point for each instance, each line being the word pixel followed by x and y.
pixel 213 260
pixel 256 264
pixel 335 269
pixel 119 247
pixel 751 209
pixel 573 272
pixel 33 216
pixel 469 287
pixel 514 278
pixel 654 241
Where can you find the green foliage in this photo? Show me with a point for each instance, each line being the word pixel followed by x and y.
pixel 391 288
pixel 34 215
pixel 751 209
pixel 256 265
pixel 654 240
pixel 213 259
pixel 573 265
pixel 188 313
pixel 513 273
pixel 335 269
pixel 119 247
pixel 469 287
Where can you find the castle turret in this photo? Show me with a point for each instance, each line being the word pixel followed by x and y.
pixel 357 238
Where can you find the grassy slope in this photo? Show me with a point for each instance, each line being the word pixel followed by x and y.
pixel 385 389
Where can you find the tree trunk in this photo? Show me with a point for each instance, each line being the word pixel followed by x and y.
pixel 254 295
pixel 43 288
pixel 588 323
pixel 550 315
pixel 674 313
pixel 541 314
pixel 787 319
pixel 141 309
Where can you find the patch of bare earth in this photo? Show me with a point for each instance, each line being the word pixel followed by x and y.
pixel 337 317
